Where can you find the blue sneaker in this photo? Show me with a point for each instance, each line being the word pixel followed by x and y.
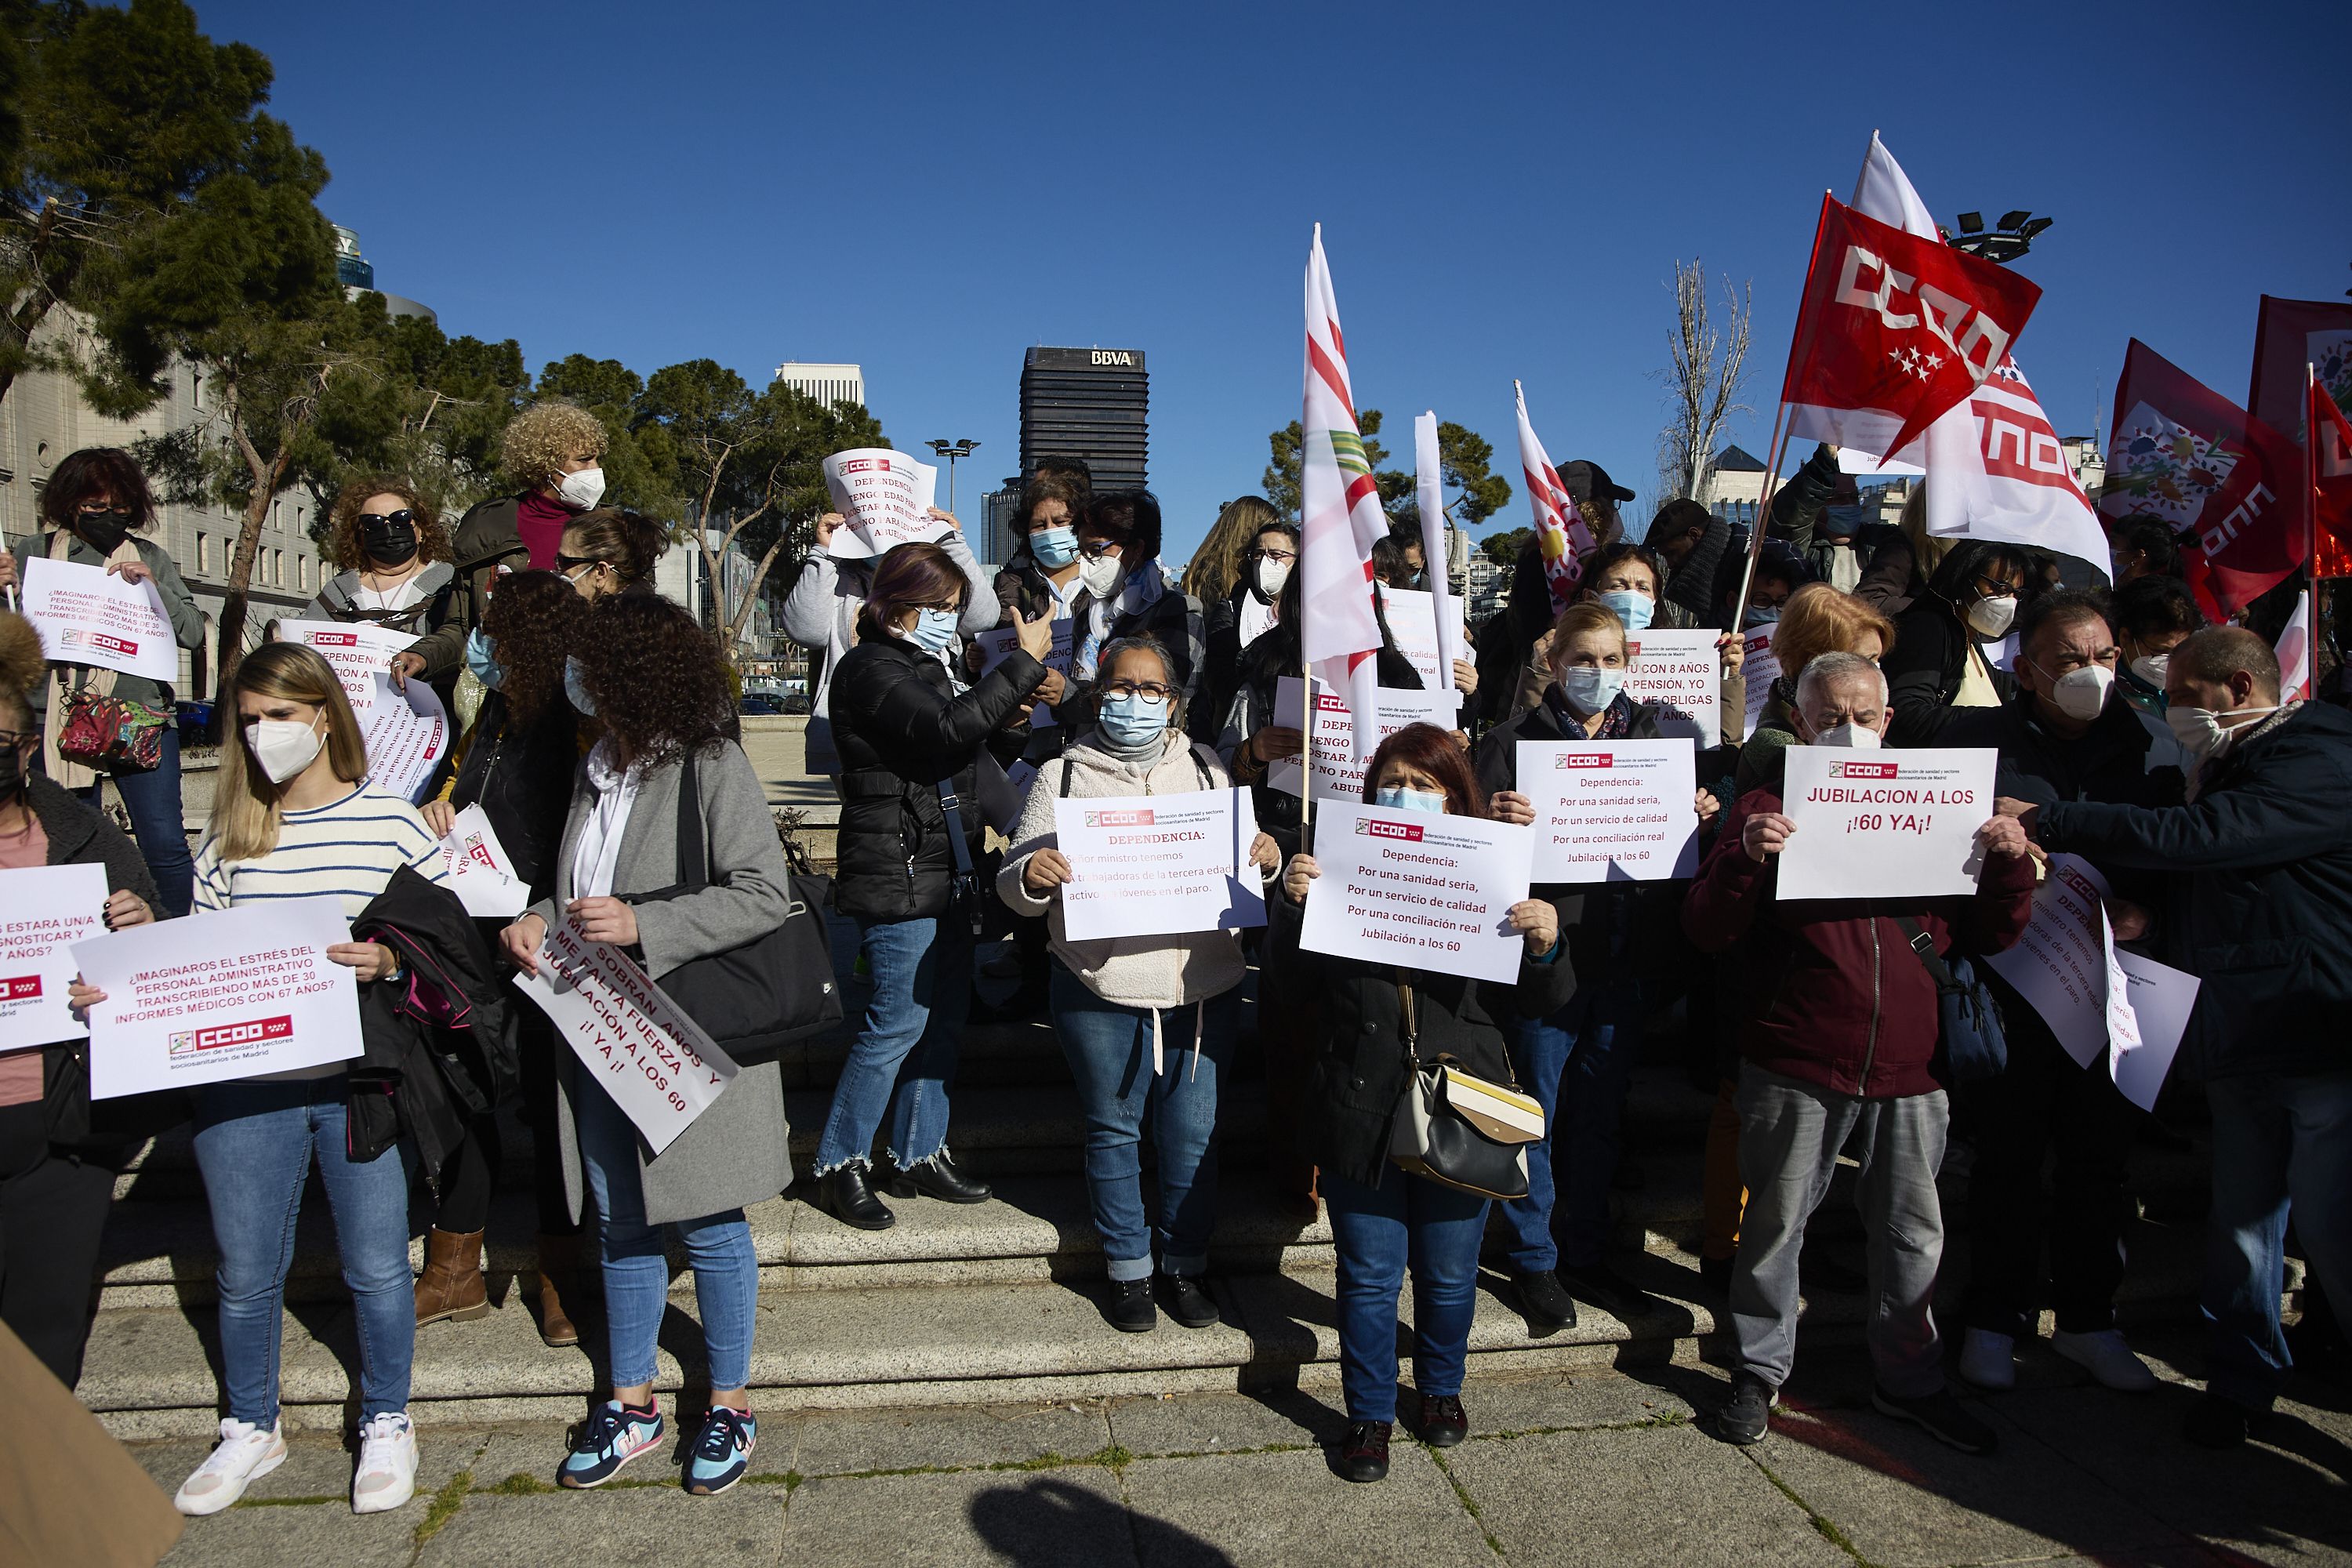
pixel 722 1450
pixel 608 1439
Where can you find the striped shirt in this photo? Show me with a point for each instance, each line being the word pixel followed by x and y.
pixel 348 848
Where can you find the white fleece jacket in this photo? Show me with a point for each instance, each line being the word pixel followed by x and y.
pixel 1131 971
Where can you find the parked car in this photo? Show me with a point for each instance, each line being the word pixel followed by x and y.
pixel 760 702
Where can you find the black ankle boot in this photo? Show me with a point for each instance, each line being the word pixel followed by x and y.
pixel 844 1194
pixel 937 1178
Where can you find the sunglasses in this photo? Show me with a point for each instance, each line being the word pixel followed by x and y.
pixel 566 563
pixel 392 519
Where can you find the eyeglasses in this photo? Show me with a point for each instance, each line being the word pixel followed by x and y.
pixel 19 737
pixel 1149 690
pixel 1996 588
pixel 1287 557
pixel 392 519
pixel 1095 548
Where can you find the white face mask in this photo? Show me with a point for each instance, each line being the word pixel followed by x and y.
pixel 1993 616
pixel 2151 667
pixel 1850 735
pixel 2081 694
pixel 583 491
pixel 2201 732
pixel 1101 575
pixel 282 748
pixel 1271 576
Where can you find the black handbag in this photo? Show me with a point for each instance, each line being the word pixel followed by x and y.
pixel 777 988
pixel 1972 1036
pixel 1456 1128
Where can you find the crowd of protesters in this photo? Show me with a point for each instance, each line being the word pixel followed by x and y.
pixel 603 746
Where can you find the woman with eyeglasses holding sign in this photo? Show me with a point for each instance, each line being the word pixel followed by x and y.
pixel 395 571
pixel 1378 1025
pixel 909 845
pixel 1122 1005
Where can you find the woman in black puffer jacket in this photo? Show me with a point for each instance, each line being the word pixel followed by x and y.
pixel 907 744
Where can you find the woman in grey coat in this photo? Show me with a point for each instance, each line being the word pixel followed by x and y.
pixel 656 682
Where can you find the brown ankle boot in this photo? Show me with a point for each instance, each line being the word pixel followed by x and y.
pixel 559 1257
pixel 452 1286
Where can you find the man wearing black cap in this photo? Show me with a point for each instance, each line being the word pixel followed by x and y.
pixel 1596 496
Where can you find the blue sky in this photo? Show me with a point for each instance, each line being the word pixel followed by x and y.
pixel 1504 191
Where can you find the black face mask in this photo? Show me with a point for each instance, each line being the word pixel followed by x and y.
pixel 104 532
pixel 12 772
pixel 393 543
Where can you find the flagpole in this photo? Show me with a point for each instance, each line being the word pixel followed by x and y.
pixel 1763 513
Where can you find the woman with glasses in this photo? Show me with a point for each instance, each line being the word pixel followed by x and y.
pixel 94 512
pixel 909 845
pixel 611 551
pixel 1129 593
pixel 1951 646
pixel 1124 1008
pixel 394 570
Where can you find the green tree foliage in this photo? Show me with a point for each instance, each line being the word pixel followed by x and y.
pixel 1280 481
pixel 1474 493
pixel 1503 548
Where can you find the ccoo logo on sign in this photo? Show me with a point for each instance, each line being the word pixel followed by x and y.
pixel 1863 770
pixel 1374 827
pixel 252 1031
pixel 1584 760
pixel 20 988
pixel 1133 817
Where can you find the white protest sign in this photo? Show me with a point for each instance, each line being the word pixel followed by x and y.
pixel 356 652
pixel 87 615
pixel 1684 670
pixel 886 498
pixel 1340 774
pixel 1612 811
pixel 655 1061
pixel 1759 668
pixel 2062 965
pixel 1412 622
pixel 2160 999
pixel 1418 889
pixel 479 870
pixel 1159 864
pixel 407 733
pixel 997 646
pixel 1884 825
pixel 229 995
pixel 47 910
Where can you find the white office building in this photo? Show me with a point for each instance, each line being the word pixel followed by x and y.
pixel 828 383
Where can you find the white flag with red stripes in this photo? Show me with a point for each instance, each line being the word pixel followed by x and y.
pixel 1562 535
pixel 1340 517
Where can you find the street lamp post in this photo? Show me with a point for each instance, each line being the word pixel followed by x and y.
pixel 951 451
pixel 2004 243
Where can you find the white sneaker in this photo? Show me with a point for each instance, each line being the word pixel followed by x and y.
pixel 387 1472
pixel 1989 1359
pixel 2107 1358
pixel 246 1453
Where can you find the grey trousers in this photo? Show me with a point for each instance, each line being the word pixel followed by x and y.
pixel 1790 1135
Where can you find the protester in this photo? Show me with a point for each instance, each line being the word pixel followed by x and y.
pixel 1945 644
pixel 1840 1040
pixel 392 556
pixel 1041 581
pixel 655 683
pixel 59 1152
pixel 1816 619
pixel 825 610
pixel 1506 642
pixel 2062 737
pixel 1371 1020
pixel 516 765
pixel 94 511
pixel 1113 995
pixel 2259 908
pixel 1218 576
pixel 1250 609
pixel 1130 593
pixel 2154 614
pixel 1397 562
pixel 1577 1057
pixel 2142 546
pixel 292 817
pixel 1694 543
pixel 610 551
pixel 1597 497
pixel 910 842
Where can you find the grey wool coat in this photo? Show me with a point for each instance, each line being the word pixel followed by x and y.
pixel 734 1154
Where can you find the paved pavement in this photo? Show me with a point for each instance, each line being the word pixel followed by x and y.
pixel 1603 1467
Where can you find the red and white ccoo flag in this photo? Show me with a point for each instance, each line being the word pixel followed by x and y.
pixel 1340 517
pixel 1561 536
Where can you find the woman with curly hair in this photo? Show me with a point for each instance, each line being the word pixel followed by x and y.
pixel 656 683
pixel 555 450
pixel 516 765
pixel 394 570
pixel 611 549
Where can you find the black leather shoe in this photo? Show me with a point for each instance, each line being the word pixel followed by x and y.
pixel 1130 1309
pixel 1545 1305
pixel 845 1196
pixel 1364 1451
pixel 1187 1301
pixel 939 1178
pixel 1443 1424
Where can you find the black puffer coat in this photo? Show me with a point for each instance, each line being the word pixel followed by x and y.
pixel 520 776
pixel 901 728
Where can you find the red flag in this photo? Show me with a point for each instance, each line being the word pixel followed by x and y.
pixel 2331 484
pixel 1897 322
pixel 2230 486
pixel 2288 335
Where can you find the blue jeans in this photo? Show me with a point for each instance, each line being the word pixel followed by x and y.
pixel 152 799
pixel 636 1270
pixel 2277 1141
pixel 254 1142
pixel 1577 1063
pixel 1376 1232
pixel 1109 1049
pixel 907 1045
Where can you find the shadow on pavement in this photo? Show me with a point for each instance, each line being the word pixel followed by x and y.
pixel 1045 1521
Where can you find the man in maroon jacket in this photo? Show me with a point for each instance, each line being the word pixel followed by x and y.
pixel 1839 1035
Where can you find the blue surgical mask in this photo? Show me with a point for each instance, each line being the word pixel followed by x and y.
pixel 1759 615
pixel 1054 548
pixel 481 658
pixel 1131 721
pixel 934 630
pixel 1633 607
pixel 1590 688
pixel 1841 522
pixel 1396 797
pixel 575 686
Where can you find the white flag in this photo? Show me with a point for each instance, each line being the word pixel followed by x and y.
pixel 1340 517
pixel 1430 482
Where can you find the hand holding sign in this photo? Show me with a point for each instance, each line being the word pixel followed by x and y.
pixel 1870 825
pixel 884 497
pixel 97 617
